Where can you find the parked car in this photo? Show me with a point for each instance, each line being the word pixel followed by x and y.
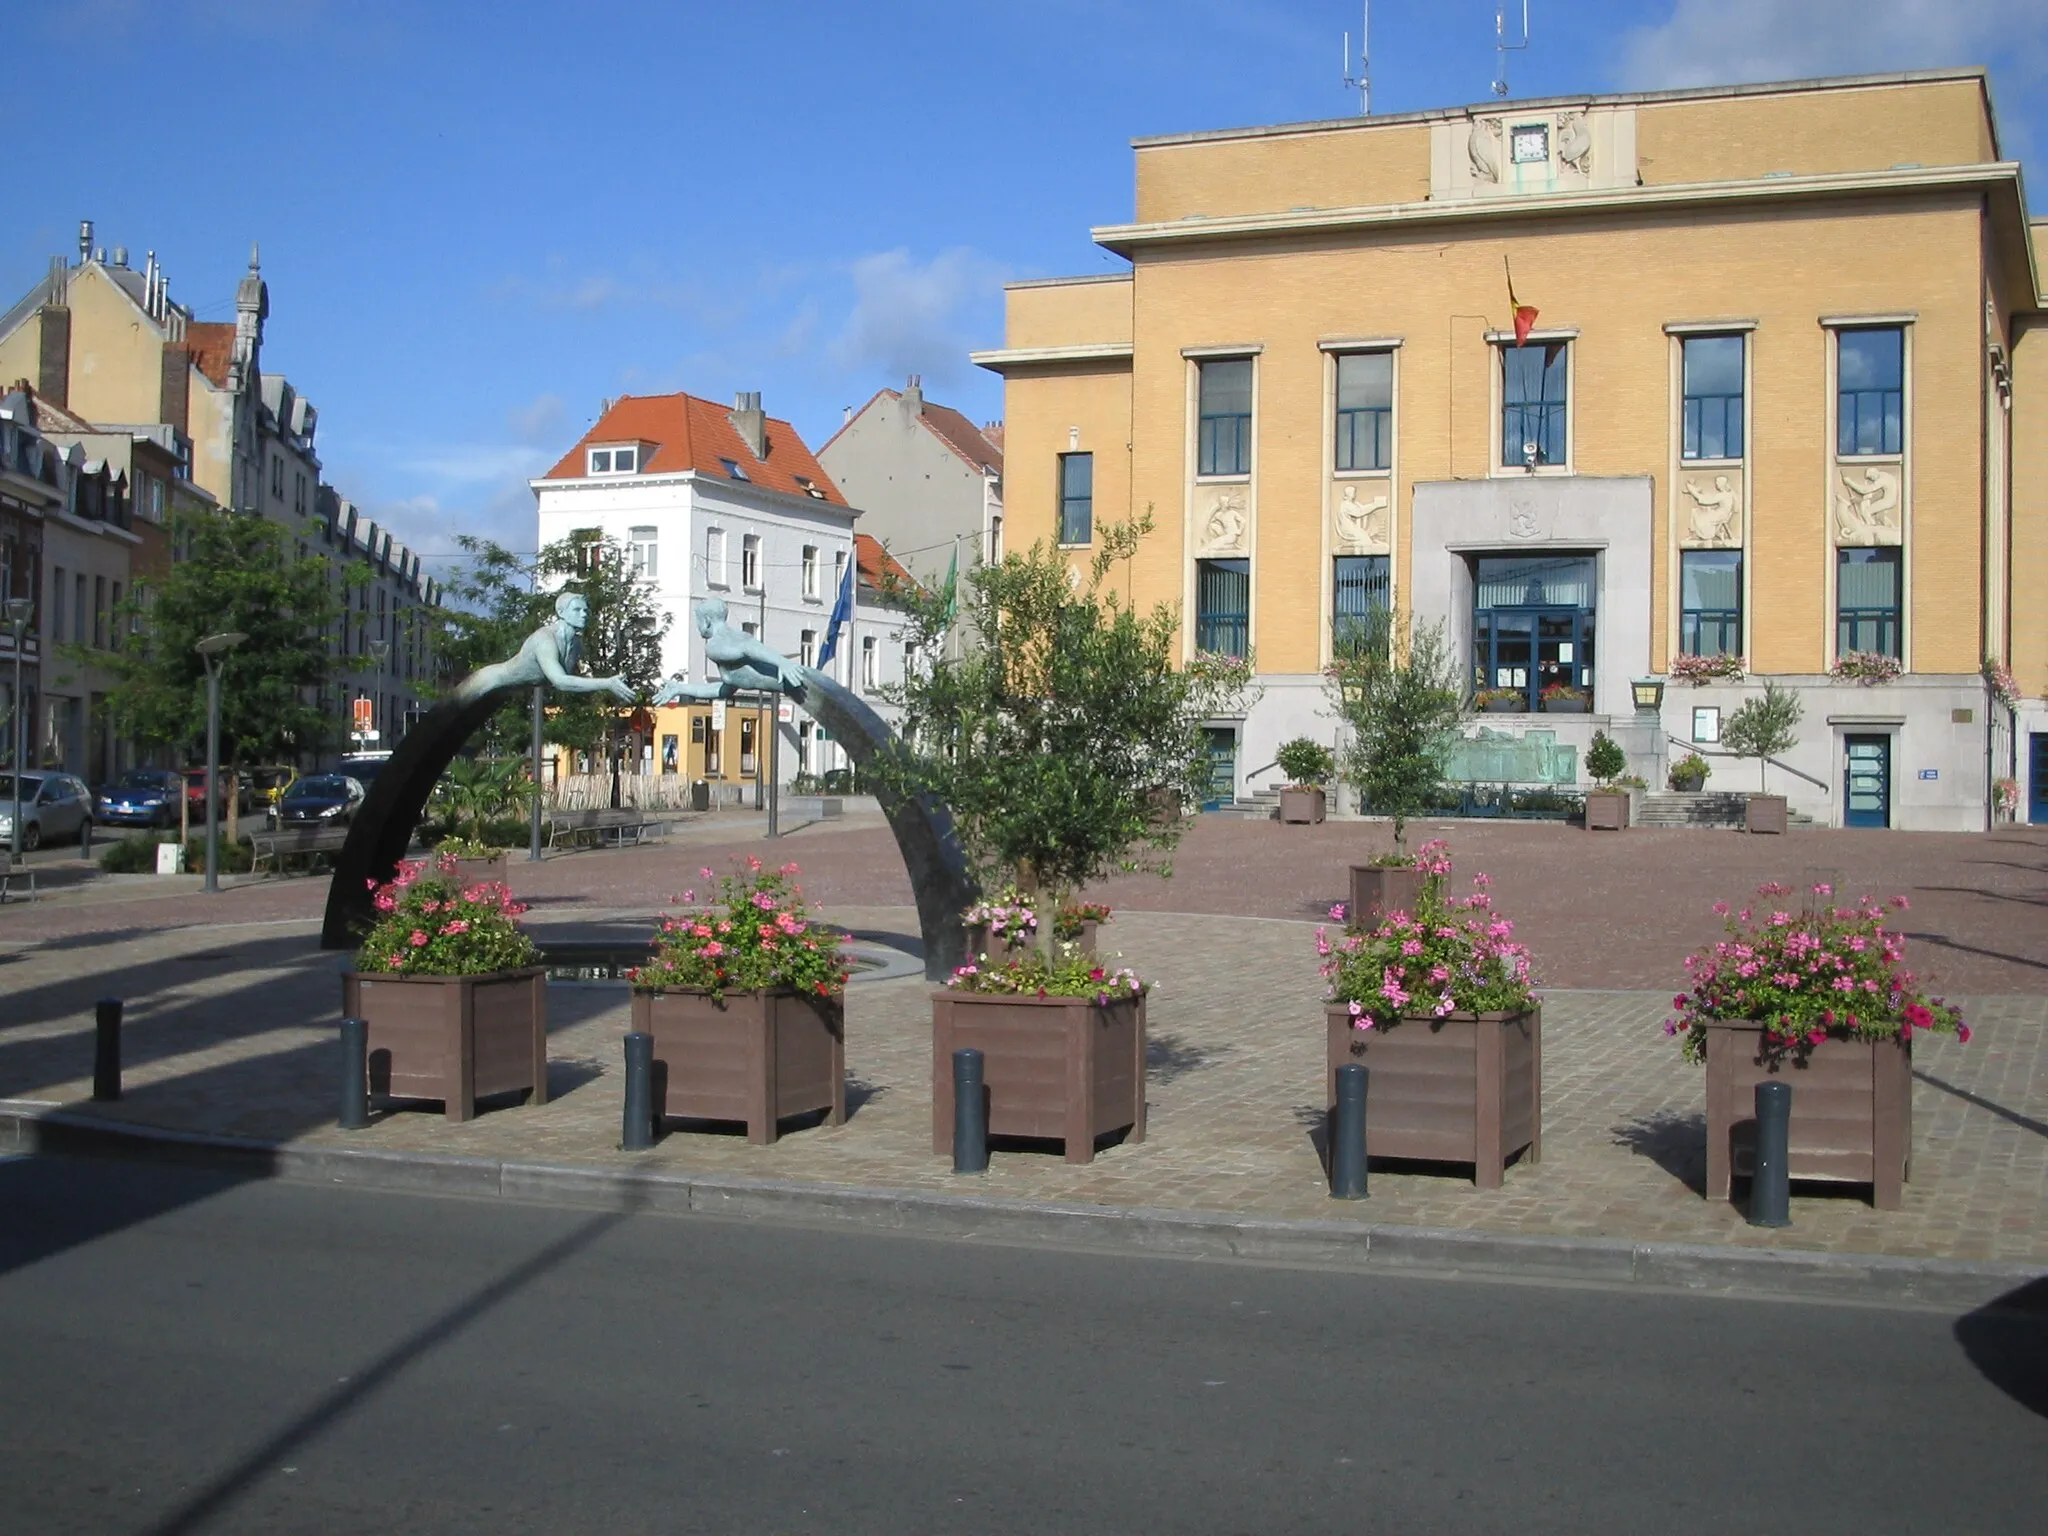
pixel 364 767
pixel 331 798
pixel 54 806
pixel 141 797
pixel 195 794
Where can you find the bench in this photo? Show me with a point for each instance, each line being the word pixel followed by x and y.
pixel 12 870
pixel 293 842
pixel 572 829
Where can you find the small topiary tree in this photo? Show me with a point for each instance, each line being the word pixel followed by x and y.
pixel 1605 761
pixel 1308 764
pixel 1403 703
pixel 1762 728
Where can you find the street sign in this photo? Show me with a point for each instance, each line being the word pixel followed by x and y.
pixel 1930 773
pixel 365 716
pixel 718 714
pixel 785 710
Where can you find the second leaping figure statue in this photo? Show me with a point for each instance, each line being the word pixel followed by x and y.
pixel 744 664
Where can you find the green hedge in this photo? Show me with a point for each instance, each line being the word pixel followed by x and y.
pixel 135 854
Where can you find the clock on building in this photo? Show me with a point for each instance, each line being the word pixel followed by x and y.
pixel 1529 144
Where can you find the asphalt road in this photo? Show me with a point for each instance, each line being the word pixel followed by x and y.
pixel 180 1352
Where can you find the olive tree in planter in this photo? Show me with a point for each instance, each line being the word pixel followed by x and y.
pixel 452 992
pixel 1309 766
pixel 1822 999
pixel 1606 807
pixel 745 997
pixel 1055 729
pixel 1762 728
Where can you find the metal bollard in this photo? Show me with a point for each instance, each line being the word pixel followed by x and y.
pixel 355 1074
pixel 1347 1135
pixel 637 1134
pixel 970 1113
pixel 85 840
pixel 1770 1188
pixel 106 1049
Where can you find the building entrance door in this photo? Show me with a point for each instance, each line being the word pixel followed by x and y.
pixel 1528 649
pixel 1867 781
pixel 2037 778
pixel 1222 768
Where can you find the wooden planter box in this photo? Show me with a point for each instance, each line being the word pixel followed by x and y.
pixel 756 1057
pixel 1606 810
pixel 1377 890
pixel 472 871
pixel 1463 1089
pixel 1303 807
pixel 1852 1111
pixel 453 1038
pixel 1057 1067
pixel 979 943
pixel 1764 813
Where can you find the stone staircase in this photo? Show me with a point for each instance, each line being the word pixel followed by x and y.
pixel 1260 805
pixel 1706 808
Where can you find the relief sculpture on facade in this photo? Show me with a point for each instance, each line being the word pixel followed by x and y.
pixel 1714 521
pixel 1221 526
pixel 1575 142
pixel 1482 148
pixel 1867 507
pixel 1362 522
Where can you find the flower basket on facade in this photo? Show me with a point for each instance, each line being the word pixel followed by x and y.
pixel 1564 699
pixel 1437 1004
pixel 446 982
pixel 1821 1001
pixel 1500 701
pixel 745 997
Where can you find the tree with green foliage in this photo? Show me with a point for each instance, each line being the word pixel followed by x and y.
pixel 236 574
pixel 1605 759
pixel 1061 728
pixel 1403 702
pixel 1307 763
pixel 489 607
pixel 1762 728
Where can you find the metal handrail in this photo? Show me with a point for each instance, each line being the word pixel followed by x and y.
pixel 1797 773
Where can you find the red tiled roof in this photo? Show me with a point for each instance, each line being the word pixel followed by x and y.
pixel 689 433
pixel 211 344
pixel 993 431
pixel 876 564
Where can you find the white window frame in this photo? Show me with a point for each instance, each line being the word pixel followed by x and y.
pixel 838 572
pixel 870 663
pixel 750 562
pixel 810 565
pixel 611 451
pixel 646 552
pixel 714 558
pixel 807 647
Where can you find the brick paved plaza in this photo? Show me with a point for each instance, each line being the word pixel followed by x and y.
pixel 232 1011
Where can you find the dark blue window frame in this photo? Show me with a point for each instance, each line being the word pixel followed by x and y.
pixel 1077 498
pixel 1710 602
pixel 1535 382
pixel 1223 411
pixel 1365 410
pixel 1870 391
pixel 1223 606
pixel 1712 382
pixel 1362 585
pixel 1863 623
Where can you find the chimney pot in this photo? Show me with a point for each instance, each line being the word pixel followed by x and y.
pixel 120 255
pixel 84 241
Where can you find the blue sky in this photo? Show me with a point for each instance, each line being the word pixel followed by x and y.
pixel 479 220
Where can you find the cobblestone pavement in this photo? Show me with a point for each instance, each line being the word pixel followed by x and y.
pixel 237 1037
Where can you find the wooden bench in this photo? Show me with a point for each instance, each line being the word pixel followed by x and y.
pixel 293 842
pixel 572 829
pixel 12 870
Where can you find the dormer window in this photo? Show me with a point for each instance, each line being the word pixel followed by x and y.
pixel 614 461
pixel 733 470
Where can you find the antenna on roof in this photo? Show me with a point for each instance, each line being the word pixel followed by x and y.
pixel 1362 81
pixel 1502 47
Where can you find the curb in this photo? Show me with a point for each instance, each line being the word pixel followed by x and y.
pixel 1872 1279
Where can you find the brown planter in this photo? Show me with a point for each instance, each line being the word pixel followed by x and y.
pixel 1463 1089
pixel 1764 813
pixel 1852 1110
pixel 1506 707
pixel 1606 810
pixel 757 1057
pixel 1304 807
pixel 472 871
pixel 1566 707
pixel 453 1038
pixel 1379 889
pixel 1058 1067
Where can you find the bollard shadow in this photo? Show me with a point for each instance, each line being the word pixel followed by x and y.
pixel 2007 1341
pixel 860 1093
pixel 42 1214
pixel 1675 1142
pixel 2024 1122
pixel 1315 1121
pixel 1169 1057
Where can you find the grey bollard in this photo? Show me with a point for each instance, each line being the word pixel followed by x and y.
pixel 637 1134
pixel 1770 1188
pixel 1347 1135
pixel 106 1049
pixel 85 840
pixel 970 1113
pixel 355 1074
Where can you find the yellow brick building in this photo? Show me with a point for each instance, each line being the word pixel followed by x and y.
pixel 1782 399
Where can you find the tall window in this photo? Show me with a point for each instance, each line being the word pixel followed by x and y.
pixel 870 663
pixel 714 556
pixel 1365 410
pixel 1360 589
pixel 57 593
pixel 1712 410
pixel 811 573
pixel 1532 411
pixel 1870 374
pixel 78 610
pixel 1223 440
pixel 277 476
pixel 646 551
pixel 750 562
pixel 1710 602
pixel 838 571
pixel 807 647
pixel 1867 598
pixel 1223 606
pixel 1077 498
pixel 99 613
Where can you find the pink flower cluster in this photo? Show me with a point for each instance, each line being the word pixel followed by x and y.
pixel 430 926
pixel 755 933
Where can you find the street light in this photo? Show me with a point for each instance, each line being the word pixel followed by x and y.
pixel 213 650
pixel 19 610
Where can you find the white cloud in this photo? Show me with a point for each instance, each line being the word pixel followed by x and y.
pixel 540 421
pixel 465 464
pixel 1719 42
pixel 912 318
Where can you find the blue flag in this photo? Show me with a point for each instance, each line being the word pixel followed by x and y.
pixel 842 610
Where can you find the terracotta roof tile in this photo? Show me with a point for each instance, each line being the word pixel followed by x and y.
pixel 692 434
pixel 212 346
pixel 963 437
pixel 876 563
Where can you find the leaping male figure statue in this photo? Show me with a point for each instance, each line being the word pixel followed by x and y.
pixel 742 662
pixel 549 656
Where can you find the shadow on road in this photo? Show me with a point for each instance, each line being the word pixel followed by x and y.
pixel 2007 1340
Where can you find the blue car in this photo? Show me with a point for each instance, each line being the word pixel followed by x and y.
pixel 141 797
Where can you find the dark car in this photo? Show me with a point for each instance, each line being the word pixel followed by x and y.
pixel 141 797
pixel 364 766
pixel 330 798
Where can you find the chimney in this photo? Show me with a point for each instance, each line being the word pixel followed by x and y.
pixel 53 341
pixel 913 395
pixel 84 241
pixel 846 415
pixel 121 256
pixel 750 423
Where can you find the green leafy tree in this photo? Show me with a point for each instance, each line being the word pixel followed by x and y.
pixel 622 639
pixel 1307 763
pixel 1061 728
pixel 1763 728
pixel 1605 759
pixel 489 607
pixel 1403 702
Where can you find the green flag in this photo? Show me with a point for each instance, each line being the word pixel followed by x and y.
pixel 952 588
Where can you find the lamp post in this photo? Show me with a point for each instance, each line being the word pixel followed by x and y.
pixel 378 650
pixel 213 650
pixel 19 610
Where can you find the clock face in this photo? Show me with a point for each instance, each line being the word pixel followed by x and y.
pixel 1530 144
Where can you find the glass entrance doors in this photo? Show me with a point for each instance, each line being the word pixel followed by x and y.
pixel 2037 778
pixel 1533 629
pixel 1867 781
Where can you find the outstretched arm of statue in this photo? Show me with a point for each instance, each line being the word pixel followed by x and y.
pixel 564 681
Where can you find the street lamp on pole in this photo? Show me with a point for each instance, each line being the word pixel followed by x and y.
pixel 19 610
pixel 213 651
